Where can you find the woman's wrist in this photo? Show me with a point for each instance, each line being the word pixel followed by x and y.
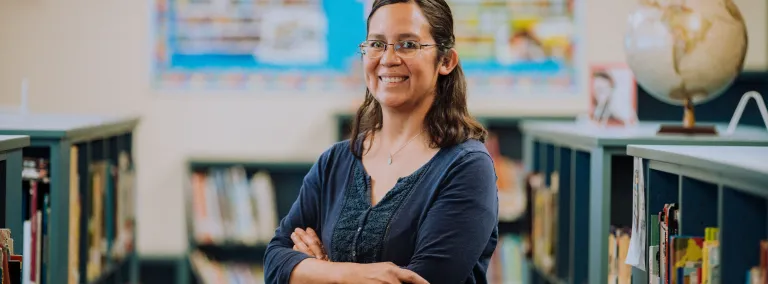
pixel 312 270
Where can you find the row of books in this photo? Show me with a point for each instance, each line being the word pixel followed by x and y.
pixel 110 214
pixel 230 208
pixel 676 258
pixel 618 246
pixel 507 265
pixel 35 213
pixel 211 271
pixel 10 262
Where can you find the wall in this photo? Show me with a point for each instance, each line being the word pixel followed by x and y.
pixel 88 56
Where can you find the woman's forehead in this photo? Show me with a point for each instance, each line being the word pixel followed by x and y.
pixel 399 22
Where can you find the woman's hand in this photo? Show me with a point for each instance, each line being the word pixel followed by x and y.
pixel 382 272
pixel 309 243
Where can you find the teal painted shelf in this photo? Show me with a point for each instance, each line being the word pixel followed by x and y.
pixel 10 188
pixel 595 183
pixel 51 137
pixel 714 186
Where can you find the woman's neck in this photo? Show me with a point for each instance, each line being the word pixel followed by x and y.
pixel 399 127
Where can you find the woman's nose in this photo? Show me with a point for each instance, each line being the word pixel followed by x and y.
pixel 389 57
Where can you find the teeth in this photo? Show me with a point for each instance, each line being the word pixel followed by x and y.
pixel 393 79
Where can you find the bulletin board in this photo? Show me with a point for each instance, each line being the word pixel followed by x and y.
pixel 506 47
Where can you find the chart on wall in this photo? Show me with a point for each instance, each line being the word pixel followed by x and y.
pixel 507 47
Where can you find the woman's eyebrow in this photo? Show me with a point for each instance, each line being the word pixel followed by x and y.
pixel 376 36
pixel 407 36
pixel 401 36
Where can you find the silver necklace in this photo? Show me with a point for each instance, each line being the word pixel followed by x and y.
pixel 389 161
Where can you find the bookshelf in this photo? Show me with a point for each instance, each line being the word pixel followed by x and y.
pixel 595 183
pixel 82 170
pixel 10 172
pixel 715 186
pixel 249 197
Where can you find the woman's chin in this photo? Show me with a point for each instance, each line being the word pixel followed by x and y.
pixel 392 99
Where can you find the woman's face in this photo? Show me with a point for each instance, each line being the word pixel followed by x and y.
pixel 602 87
pixel 394 81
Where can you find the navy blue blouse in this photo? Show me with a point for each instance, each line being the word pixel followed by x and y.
pixel 360 230
pixel 440 222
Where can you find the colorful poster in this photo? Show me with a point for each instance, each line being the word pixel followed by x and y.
pixel 506 47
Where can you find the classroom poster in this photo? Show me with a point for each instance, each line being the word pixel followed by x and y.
pixel 506 47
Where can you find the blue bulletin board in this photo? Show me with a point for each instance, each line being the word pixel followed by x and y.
pixel 261 46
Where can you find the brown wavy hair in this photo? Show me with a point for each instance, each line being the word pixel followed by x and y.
pixel 448 121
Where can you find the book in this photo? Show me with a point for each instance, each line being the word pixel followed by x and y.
pixel 710 235
pixel 685 257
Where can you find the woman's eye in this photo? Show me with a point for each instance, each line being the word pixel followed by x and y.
pixel 377 44
pixel 409 45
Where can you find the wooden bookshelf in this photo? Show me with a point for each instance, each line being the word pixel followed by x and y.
pixel 715 186
pixel 10 189
pixel 595 183
pixel 67 147
pixel 286 179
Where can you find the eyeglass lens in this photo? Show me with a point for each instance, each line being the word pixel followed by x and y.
pixel 376 49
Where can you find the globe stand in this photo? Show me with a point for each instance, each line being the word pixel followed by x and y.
pixel 689 124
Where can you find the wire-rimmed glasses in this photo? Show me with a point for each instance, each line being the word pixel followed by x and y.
pixel 405 49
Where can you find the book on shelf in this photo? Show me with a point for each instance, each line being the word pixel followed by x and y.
pixel 686 259
pixel 544 229
pixel 10 261
pixel 73 271
pixel 668 219
pixel 229 208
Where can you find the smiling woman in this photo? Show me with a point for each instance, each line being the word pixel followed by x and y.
pixel 411 197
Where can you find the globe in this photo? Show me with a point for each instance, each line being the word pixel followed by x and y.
pixel 685 52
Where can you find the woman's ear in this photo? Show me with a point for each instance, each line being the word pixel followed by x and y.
pixel 449 62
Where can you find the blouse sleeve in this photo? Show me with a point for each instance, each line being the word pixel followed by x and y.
pixel 459 224
pixel 280 258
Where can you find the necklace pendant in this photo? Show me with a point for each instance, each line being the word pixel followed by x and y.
pixel 389 161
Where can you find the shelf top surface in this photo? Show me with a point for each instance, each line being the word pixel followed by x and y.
pixel 13 142
pixel 746 160
pixel 63 125
pixel 590 135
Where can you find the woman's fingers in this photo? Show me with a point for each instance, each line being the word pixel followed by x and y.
pixel 312 242
pixel 407 276
pixel 311 233
pixel 314 235
pixel 299 245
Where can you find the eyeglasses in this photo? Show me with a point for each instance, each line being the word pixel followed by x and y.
pixel 405 49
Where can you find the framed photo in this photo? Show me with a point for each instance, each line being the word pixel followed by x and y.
pixel 613 95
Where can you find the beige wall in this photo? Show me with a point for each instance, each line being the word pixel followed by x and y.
pixel 93 57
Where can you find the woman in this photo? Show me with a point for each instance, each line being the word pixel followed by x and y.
pixel 411 197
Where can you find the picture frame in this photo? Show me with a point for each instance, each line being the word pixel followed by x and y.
pixel 612 95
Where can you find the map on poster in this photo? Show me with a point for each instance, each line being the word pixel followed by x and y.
pixel 505 46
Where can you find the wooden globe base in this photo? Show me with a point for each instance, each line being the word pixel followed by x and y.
pixel 689 124
pixel 680 129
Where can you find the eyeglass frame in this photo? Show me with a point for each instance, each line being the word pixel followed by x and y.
pixel 386 46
